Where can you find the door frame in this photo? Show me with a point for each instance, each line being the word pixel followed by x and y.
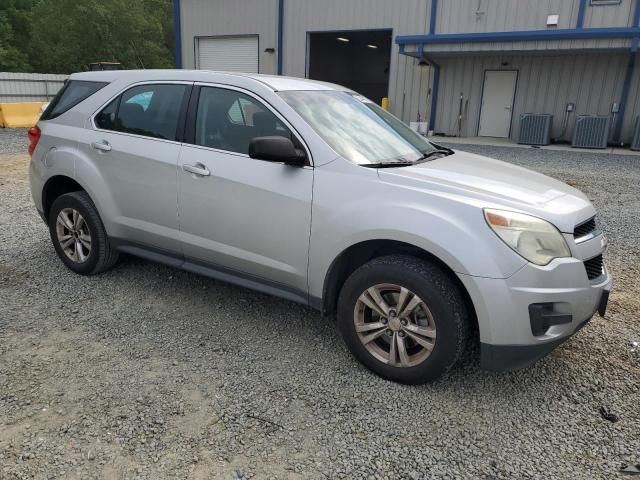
pixel 307 47
pixel 513 100
pixel 196 45
pixel 191 116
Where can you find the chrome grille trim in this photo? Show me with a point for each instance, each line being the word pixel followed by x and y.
pixel 586 230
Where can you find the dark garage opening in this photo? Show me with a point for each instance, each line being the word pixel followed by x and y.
pixel 358 60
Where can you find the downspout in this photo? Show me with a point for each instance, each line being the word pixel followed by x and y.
pixel 177 33
pixel 435 66
pixel 434 88
pixel 581 11
pixel 280 35
pixel 433 17
pixel 628 76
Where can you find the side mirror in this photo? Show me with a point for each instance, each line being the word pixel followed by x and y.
pixel 276 149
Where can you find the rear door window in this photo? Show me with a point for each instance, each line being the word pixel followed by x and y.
pixel 148 110
pixel 72 93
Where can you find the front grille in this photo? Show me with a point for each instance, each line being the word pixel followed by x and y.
pixel 594 267
pixel 585 228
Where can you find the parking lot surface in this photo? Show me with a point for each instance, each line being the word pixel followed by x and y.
pixel 150 372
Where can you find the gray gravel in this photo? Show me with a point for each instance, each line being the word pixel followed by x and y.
pixel 150 372
pixel 13 140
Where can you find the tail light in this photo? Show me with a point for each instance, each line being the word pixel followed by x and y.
pixel 34 135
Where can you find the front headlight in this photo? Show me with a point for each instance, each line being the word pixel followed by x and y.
pixel 533 238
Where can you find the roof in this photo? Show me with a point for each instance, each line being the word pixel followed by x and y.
pixel 276 83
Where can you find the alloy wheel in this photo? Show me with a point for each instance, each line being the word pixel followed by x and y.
pixel 73 235
pixel 394 325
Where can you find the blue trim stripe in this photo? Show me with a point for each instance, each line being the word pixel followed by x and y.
pixel 636 15
pixel 280 35
pixel 521 36
pixel 177 33
pixel 433 17
pixel 581 11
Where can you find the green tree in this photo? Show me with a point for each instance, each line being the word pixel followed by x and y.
pixel 67 35
pixel 15 20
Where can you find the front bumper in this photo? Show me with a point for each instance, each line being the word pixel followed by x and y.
pixel 509 338
pixel 514 357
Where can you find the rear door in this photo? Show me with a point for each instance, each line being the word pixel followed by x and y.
pixel 248 216
pixel 135 149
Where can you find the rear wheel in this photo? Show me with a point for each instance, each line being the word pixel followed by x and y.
pixel 403 318
pixel 78 234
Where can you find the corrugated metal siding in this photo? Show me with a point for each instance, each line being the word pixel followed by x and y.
pixel 546 83
pixel 208 18
pixel 620 15
pixel 463 16
pixel 29 87
pixel 408 85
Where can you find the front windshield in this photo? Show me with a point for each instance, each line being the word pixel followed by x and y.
pixel 357 128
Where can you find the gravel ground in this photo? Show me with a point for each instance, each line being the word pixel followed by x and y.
pixel 13 140
pixel 149 372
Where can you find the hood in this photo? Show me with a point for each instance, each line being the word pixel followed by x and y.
pixel 498 184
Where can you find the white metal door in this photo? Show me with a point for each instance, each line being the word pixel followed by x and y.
pixel 497 103
pixel 229 54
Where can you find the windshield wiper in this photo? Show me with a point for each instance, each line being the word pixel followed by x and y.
pixel 439 150
pixel 387 164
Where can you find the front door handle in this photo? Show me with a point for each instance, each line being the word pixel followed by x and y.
pixel 197 169
pixel 103 146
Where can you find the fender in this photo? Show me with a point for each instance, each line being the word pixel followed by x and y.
pixel 72 163
pixel 347 211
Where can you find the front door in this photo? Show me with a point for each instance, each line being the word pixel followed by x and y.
pixel 247 216
pixel 497 103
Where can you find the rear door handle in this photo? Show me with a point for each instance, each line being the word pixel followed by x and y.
pixel 102 146
pixel 197 169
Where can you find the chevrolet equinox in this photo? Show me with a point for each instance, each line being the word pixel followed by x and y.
pixel 311 192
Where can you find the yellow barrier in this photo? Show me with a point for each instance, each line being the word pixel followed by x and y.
pixel 19 115
pixel 385 103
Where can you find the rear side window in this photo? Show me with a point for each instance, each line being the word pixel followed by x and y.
pixel 72 93
pixel 148 110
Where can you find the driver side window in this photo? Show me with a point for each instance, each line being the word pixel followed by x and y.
pixel 229 120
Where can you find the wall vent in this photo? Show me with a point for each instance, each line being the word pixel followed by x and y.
pixel 535 129
pixel 592 131
pixel 635 144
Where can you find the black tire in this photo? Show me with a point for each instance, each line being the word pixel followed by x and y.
pixel 437 290
pixel 101 256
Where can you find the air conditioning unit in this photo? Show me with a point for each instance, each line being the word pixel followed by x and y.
pixel 535 129
pixel 635 144
pixel 592 131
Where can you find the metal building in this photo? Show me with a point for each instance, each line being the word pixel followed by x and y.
pixel 468 67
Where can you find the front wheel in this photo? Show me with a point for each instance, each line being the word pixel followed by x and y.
pixel 403 318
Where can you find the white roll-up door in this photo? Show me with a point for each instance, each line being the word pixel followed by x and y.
pixel 231 54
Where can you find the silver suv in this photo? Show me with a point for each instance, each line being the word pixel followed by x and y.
pixel 311 192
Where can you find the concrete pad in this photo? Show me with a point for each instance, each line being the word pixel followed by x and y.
pixel 506 142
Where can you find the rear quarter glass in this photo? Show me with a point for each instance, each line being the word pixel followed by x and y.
pixel 72 93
